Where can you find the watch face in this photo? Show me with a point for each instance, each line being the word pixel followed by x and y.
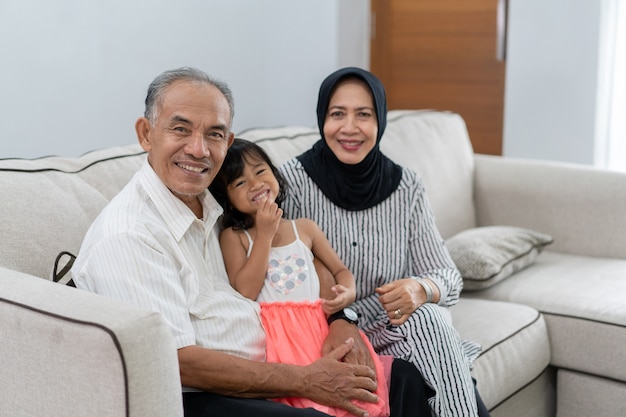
pixel 351 314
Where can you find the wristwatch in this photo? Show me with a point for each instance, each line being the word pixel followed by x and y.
pixel 346 314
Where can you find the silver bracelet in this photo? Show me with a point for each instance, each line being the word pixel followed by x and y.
pixel 430 295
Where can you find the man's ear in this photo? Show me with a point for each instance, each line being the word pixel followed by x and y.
pixel 142 128
pixel 231 138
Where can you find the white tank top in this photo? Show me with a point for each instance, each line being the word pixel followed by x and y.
pixel 291 275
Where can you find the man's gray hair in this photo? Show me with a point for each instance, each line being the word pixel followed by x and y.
pixel 194 75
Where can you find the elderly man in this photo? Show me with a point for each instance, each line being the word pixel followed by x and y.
pixel 156 246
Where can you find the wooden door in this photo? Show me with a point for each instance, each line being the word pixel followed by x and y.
pixel 441 54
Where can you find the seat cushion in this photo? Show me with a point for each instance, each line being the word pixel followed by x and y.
pixel 516 348
pixel 587 320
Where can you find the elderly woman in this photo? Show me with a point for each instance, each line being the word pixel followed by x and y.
pixel 377 216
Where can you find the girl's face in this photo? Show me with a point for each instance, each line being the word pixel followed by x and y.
pixel 256 184
pixel 350 128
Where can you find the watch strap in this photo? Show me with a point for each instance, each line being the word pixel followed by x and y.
pixel 341 315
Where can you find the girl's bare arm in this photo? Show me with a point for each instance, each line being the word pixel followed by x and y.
pixel 342 292
pixel 246 275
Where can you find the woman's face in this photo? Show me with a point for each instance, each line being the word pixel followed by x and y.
pixel 351 128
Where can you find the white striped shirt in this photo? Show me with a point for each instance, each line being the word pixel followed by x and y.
pixel 147 248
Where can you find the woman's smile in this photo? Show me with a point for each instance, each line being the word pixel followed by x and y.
pixel 351 145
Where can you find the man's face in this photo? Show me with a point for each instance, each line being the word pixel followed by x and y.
pixel 189 139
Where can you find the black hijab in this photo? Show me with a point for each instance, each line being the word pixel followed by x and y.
pixel 352 186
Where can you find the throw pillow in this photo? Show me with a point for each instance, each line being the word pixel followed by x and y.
pixel 487 255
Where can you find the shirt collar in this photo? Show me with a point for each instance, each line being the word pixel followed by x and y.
pixel 177 216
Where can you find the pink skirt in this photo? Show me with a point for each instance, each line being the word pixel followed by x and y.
pixel 295 334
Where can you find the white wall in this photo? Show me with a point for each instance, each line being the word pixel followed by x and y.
pixel 74 73
pixel 554 97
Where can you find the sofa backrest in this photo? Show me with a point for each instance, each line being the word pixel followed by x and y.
pixel 47 204
pixel 435 144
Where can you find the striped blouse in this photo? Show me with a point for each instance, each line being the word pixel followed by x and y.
pixel 392 240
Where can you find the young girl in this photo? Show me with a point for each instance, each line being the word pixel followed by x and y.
pixel 270 259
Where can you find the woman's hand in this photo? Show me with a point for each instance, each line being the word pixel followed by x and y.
pixel 401 298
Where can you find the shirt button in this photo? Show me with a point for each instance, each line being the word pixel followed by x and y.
pixel 353 243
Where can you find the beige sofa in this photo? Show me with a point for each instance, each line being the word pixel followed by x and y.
pixel 552 333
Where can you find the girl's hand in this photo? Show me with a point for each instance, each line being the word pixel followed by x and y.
pixel 400 299
pixel 343 298
pixel 267 219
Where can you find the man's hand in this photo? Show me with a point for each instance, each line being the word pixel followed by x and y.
pixel 339 330
pixel 335 383
pixel 327 381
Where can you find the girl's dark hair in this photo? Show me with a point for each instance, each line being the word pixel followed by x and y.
pixel 238 154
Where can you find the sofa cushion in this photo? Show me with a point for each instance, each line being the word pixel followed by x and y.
pixel 52 201
pixel 282 142
pixel 516 348
pixel 435 144
pixel 583 395
pixel 585 321
pixel 487 255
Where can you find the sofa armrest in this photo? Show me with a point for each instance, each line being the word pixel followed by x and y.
pixel 583 208
pixel 67 352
